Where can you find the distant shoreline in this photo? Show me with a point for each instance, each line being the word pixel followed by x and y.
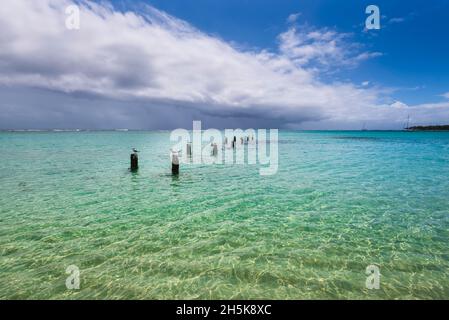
pixel 429 128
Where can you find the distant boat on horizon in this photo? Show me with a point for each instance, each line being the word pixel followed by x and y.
pixel 364 127
pixel 407 125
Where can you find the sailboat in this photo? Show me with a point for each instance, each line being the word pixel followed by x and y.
pixel 364 127
pixel 407 126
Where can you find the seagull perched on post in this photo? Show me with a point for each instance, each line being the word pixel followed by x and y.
pixel 135 150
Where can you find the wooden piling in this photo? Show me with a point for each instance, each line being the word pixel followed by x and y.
pixel 134 161
pixel 189 149
pixel 175 164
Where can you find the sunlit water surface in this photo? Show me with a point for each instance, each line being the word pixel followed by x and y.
pixel 340 201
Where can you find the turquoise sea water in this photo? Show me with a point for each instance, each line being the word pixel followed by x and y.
pixel 339 202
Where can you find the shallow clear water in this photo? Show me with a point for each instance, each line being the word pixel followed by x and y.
pixel 339 202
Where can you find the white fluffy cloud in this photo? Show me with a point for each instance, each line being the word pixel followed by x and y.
pixel 293 17
pixel 327 48
pixel 156 58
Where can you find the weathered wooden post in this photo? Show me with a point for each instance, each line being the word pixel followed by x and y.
pixel 174 163
pixel 214 149
pixel 134 160
pixel 189 149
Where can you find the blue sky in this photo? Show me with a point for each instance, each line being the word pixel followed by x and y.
pixel 415 47
pixel 159 64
